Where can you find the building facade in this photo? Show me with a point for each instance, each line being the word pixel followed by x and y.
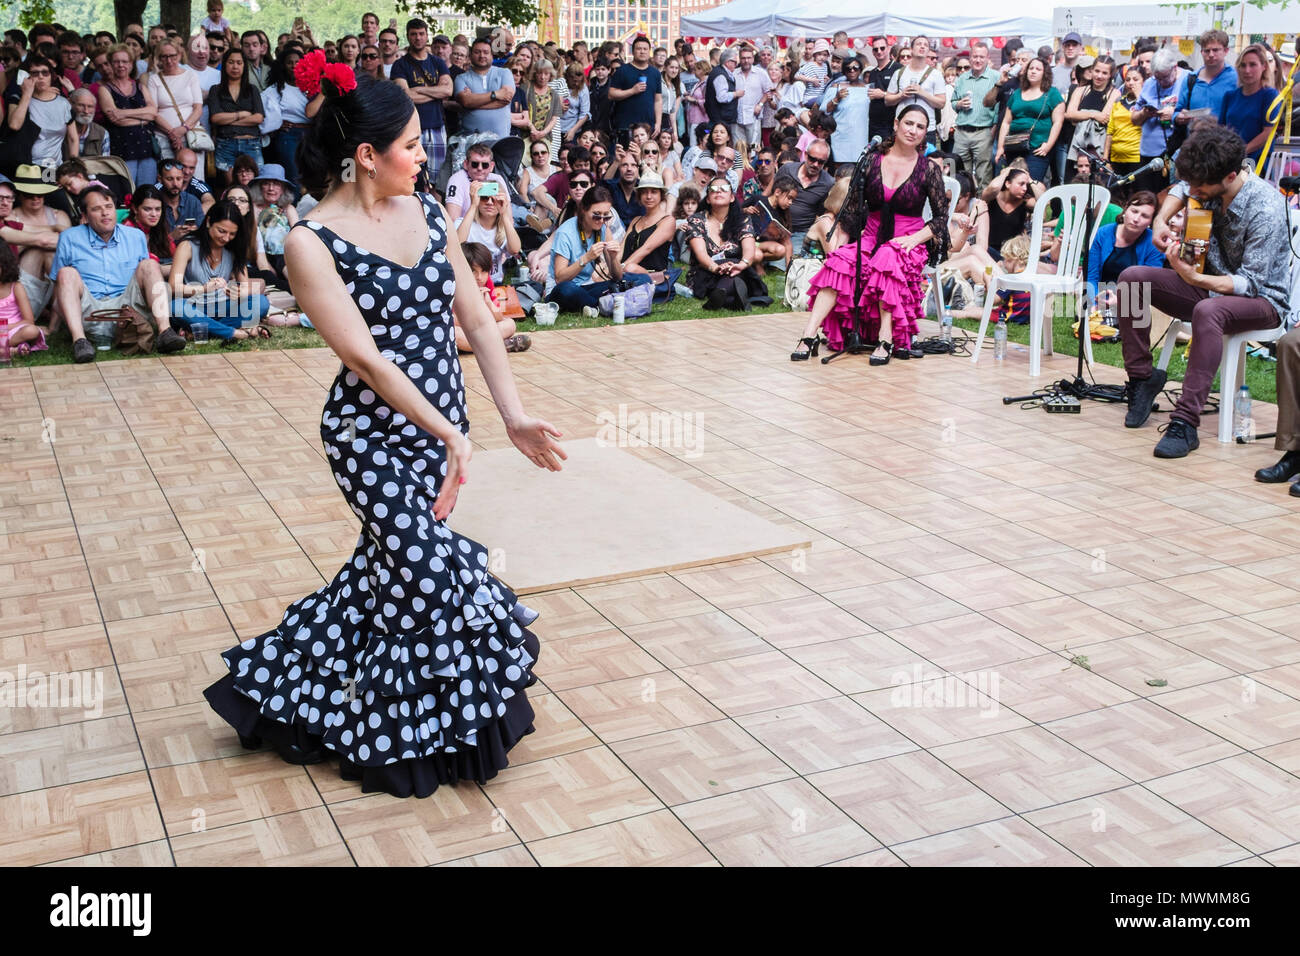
pixel 596 21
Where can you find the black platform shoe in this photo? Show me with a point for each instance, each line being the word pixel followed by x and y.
pixel 809 351
pixel 299 749
pixel 889 352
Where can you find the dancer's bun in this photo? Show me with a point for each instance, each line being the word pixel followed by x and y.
pixel 374 112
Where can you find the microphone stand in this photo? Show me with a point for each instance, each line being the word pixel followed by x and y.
pixel 1078 386
pixel 853 342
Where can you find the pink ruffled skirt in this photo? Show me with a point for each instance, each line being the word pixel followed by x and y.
pixel 893 281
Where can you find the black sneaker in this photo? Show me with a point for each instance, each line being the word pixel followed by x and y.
pixel 83 351
pixel 1179 439
pixel 1142 395
pixel 171 341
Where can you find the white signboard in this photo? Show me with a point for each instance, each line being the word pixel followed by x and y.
pixel 1126 22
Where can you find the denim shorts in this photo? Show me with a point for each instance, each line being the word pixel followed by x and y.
pixel 229 148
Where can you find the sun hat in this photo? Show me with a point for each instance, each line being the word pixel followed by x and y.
pixel 28 178
pixel 822 46
pixel 651 180
pixel 273 172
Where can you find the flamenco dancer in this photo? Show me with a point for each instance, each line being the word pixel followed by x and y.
pixel 883 210
pixel 410 666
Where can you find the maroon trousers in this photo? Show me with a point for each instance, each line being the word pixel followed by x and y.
pixel 1212 317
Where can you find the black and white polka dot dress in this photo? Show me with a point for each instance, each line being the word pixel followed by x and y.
pixel 411 663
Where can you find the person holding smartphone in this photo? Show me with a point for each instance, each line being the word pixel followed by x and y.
pixel 182 211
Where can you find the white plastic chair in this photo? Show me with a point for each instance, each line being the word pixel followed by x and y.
pixel 1232 364
pixel 1077 230
pixel 954 196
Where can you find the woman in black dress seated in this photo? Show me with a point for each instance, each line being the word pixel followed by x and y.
pixel 1010 197
pixel 723 250
pixel 410 665
pixel 650 236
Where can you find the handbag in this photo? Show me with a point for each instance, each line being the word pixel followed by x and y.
pixel 798 278
pixel 1019 142
pixel 637 301
pixel 197 139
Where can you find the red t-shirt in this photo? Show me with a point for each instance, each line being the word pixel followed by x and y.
pixel 557 186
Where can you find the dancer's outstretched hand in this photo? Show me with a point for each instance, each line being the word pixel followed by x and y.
pixel 536 439
pixel 459 450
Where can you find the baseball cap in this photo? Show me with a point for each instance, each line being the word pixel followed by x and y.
pixel 707 164
pixel 441 38
pixel 1072 38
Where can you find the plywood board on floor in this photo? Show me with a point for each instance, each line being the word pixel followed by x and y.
pixel 606 516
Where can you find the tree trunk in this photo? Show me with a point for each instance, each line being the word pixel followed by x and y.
pixel 128 11
pixel 177 13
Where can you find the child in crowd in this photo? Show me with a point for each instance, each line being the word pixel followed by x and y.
pixel 1015 258
pixel 216 22
pixel 480 264
pixel 688 201
pixel 18 332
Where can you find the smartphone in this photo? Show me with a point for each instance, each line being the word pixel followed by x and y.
pixel 297 24
pixel 189 223
pixel 624 138
pixel 488 189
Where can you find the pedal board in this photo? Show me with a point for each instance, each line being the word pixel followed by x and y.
pixel 1061 404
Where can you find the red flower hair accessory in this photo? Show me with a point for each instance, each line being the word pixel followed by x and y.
pixel 307 73
pixel 341 77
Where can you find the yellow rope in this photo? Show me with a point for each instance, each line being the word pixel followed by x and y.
pixel 1278 111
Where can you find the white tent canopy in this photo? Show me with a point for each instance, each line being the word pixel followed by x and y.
pixel 858 18
pixel 1116 21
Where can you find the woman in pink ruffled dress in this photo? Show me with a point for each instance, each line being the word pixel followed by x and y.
pixel 884 267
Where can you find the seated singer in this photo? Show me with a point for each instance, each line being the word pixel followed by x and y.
pixel 1244 285
pixel 879 249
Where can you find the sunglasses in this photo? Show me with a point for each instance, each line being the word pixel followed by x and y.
pixel 762 162
pixel 580 184
pixel 370 56
pixel 814 161
pixel 852 66
pixel 601 216
pixel 719 188
pixel 880 49
pixel 474 165
pixel 170 164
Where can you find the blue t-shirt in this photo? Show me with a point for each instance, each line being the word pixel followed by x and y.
pixel 426 72
pixel 572 246
pixel 106 268
pixel 639 108
pixel 1207 95
pixel 486 121
pixel 1245 113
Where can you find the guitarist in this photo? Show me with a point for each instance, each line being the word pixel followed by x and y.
pixel 1245 284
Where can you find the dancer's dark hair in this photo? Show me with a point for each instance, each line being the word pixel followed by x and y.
pixel 376 112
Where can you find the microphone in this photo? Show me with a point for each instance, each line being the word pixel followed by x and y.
pixel 874 145
pixel 1156 165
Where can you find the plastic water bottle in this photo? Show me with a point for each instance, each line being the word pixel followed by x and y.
pixel 1242 426
pixel 945 328
pixel 1000 339
pixel 619 310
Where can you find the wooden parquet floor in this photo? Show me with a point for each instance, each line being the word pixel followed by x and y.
pixel 1016 638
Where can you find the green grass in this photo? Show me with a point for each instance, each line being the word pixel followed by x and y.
pixel 1261 376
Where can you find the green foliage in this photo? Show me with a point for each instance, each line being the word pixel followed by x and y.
pixel 490 12
pixel 34 12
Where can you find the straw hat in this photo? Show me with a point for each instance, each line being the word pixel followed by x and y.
pixel 29 179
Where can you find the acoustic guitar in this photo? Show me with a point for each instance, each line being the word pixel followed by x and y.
pixel 1196 234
